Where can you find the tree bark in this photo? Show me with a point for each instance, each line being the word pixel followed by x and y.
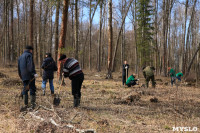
pixel 99 44
pixel 76 29
pixel 110 40
pixel 56 29
pixel 62 34
pixel 31 23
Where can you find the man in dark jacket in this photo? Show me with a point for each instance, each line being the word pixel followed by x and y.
pixel 26 71
pixel 72 70
pixel 49 66
pixel 125 68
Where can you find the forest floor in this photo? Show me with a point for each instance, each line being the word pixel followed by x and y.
pixel 106 106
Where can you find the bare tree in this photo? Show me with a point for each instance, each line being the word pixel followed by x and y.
pixel 31 23
pixel 56 28
pixel 76 29
pixel 100 34
pixel 110 40
pixel 62 33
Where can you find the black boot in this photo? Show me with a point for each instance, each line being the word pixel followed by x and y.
pixel 52 93
pixel 33 99
pixel 24 108
pixel 76 101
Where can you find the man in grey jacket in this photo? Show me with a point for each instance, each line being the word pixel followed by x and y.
pixel 26 71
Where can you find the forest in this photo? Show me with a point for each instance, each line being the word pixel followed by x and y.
pixel 101 35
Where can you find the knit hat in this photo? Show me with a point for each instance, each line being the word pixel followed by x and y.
pixel 29 47
pixel 62 57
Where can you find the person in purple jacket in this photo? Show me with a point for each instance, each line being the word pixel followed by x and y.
pixel 71 69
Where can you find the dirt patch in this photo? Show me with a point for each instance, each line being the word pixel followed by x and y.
pixel 154 100
pixel 103 122
pixel 129 99
pixel 46 127
pixel 3 75
pixel 11 82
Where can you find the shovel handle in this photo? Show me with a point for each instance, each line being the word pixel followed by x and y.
pixel 60 85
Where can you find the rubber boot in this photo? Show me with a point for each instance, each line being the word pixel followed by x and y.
pixel 24 108
pixel 33 99
pixel 76 101
pixel 79 100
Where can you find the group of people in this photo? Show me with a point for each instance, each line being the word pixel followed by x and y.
pixel 71 69
pixel 174 76
pixel 27 73
pixel 148 73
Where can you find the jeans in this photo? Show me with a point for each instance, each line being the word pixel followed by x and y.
pixel 32 87
pixel 179 78
pixel 44 82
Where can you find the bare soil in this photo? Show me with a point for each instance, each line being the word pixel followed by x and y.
pixel 106 106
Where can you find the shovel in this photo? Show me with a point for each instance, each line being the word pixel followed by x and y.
pixel 56 100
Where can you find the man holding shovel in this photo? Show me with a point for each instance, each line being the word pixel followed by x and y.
pixel 125 68
pixel 26 71
pixel 72 70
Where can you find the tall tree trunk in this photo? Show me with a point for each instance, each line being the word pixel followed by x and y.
pixel 110 40
pixel 51 29
pixel 56 29
pixel 188 33
pixel 99 44
pixel 183 47
pixel 40 38
pixel 12 32
pixel 164 40
pixel 62 33
pixel 76 29
pixel 18 30
pixel 31 23
pixel 45 29
pixel 90 38
pixel 8 36
pixel 136 46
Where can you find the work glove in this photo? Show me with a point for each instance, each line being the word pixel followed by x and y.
pixel 126 67
pixel 35 75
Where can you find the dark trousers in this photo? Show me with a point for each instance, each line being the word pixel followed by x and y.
pixel 132 83
pixel 152 80
pixel 124 79
pixel 31 86
pixel 76 85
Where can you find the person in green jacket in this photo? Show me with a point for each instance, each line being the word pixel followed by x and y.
pixel 179 75
pixel 148 73
pixel 172 75
pixel 131 81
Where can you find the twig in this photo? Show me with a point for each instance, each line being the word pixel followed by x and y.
pixel 36 117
